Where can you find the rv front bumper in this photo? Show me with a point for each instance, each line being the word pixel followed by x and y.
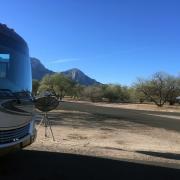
pixel 21 143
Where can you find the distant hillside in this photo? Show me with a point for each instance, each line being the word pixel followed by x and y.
pixel 39 71
pixel 79 77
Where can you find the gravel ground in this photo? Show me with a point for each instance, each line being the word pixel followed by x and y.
pixel 95 135
pixel 99 142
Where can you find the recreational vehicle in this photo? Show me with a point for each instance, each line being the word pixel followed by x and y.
pixel 17 128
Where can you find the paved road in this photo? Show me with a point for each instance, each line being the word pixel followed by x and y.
pixel 166 120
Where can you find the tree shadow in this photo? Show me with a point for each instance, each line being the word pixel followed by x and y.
pixel 49 165
pixel 85 120
pixel 114 120
pixel 141 117
pixel 162 155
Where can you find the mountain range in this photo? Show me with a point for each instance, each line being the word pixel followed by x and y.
pixel 39 71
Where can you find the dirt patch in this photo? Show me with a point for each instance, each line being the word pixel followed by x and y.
pixel 106 129
pixel 77 137
pixel 90 134
pixel 146 107
pixel 134 106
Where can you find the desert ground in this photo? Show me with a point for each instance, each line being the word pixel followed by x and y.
pixel 101 130
pixel 117 139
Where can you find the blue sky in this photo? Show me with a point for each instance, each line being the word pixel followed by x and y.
pixel 110 40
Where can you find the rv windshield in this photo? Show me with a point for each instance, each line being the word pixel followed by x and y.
pixel 15 71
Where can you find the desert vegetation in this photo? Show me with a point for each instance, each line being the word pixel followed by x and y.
pixel 160 88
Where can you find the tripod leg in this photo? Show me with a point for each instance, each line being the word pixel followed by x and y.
pixel 51 132
pixel 50 129
pixel 46 125
pixel 40 122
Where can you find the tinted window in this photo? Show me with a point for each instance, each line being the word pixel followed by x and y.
pixel 4 63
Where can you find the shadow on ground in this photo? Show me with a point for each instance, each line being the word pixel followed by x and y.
pixel 161 155
pixel 48 165
pixel 117 121
pixel 83 120
pixel 95 116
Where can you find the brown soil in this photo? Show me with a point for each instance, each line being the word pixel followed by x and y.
pixel 95 135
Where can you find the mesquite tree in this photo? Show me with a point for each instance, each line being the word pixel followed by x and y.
pixel 161 88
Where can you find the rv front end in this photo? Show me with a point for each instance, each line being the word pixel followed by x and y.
pixel 17 128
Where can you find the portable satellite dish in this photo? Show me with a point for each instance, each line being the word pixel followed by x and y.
pixel 46 104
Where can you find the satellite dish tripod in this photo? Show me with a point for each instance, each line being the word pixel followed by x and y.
pixel 46 104
pixel 47 124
